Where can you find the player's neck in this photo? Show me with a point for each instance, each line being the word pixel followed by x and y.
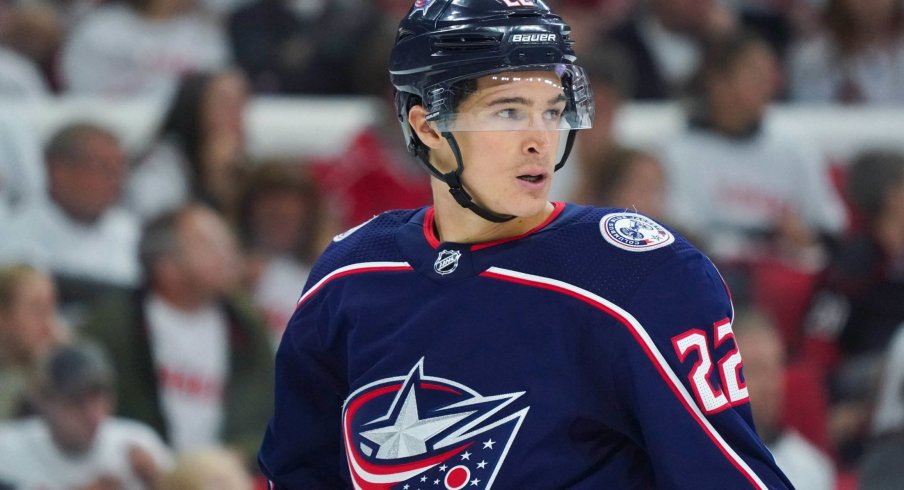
pixel 453 223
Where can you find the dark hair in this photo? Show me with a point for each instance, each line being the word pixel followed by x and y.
pixel 721 52
pixel 837 18
pixel 612 167
pixel 871 176
pixel 73 371
pixel 281 177
pixel 183 120
pixel 720 55
pixel 66 144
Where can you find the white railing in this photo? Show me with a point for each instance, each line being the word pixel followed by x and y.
pixel 302 126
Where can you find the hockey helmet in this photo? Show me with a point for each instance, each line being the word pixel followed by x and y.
pixel 444 42
pixel 444 46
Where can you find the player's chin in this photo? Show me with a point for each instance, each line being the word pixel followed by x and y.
pixel 526 206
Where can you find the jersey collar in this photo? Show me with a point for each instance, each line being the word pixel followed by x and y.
pixel 435 243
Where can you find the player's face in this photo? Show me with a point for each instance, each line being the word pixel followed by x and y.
pixel 510 171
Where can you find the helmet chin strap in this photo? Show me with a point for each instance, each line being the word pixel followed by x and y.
pixel 456 187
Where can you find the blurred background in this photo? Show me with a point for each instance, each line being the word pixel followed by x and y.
pixel 171 169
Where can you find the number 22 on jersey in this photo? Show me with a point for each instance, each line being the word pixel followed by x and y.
pixel 711 398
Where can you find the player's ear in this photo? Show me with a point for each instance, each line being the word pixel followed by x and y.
pixel 417 118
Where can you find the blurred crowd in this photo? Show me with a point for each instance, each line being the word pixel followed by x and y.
pixel 142 293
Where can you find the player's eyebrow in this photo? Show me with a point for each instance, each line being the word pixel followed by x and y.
pixel 525 101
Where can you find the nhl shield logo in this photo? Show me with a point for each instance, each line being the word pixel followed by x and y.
pixel 418 431
pixel 446 262
pixel 634 232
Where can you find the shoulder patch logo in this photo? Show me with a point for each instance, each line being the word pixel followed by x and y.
pixel 634 232
pixel 446 262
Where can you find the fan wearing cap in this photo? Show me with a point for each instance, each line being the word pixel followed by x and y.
pixel 496 339
pixel 75 442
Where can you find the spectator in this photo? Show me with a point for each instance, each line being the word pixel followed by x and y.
pixel 804 464
pixel 208 469
pixel 745 189
pixel 75 443
pixel 79 232
pixel 630 179
pixel 34 32
pixel 140 48
pixel 663 40
pixel 198 150
pixel 284 227
pixel 607 70
pixel 858 59
pixel 29 328
pixel 371 174
pixel 194 360
pixel 776 21
pixel 591 19
pixel 304 47
pixel 859 304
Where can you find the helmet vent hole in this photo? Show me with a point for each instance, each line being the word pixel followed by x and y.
pixel 465 42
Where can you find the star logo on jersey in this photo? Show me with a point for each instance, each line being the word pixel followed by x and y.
pixel 634 232
pixel 446 262
pixel 419 431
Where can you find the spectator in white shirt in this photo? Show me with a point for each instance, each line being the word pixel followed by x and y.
pixel 75 443
pixel 140 48
pixel 198 150
pixel 859 58
pixel 745 189
pixel 78 232
pixel 29 329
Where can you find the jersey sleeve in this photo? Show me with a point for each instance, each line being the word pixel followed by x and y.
pixel 684 382
pixel 301 447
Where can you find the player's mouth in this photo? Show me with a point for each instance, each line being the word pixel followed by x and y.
pixel 532 178
pixel 534 181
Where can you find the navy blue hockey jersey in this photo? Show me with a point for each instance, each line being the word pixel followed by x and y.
pixel 594 352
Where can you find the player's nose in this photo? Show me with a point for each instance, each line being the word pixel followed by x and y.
pixel 537 142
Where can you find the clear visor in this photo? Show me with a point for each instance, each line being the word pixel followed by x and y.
pixel 534 98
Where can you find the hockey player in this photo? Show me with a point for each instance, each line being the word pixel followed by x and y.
pixel 495 339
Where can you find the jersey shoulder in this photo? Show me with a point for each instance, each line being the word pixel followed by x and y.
pixel 370 241
pixel 611 251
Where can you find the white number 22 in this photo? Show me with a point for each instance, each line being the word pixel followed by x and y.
pixel 713 399
pixel 519 3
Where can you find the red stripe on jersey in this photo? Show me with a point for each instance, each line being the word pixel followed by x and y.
pixel 353 269
pixel 640 335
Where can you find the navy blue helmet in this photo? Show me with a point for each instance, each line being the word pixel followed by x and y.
pixel 442 43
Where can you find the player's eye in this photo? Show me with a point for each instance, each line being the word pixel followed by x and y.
pixel 511 114
pixel 553 114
